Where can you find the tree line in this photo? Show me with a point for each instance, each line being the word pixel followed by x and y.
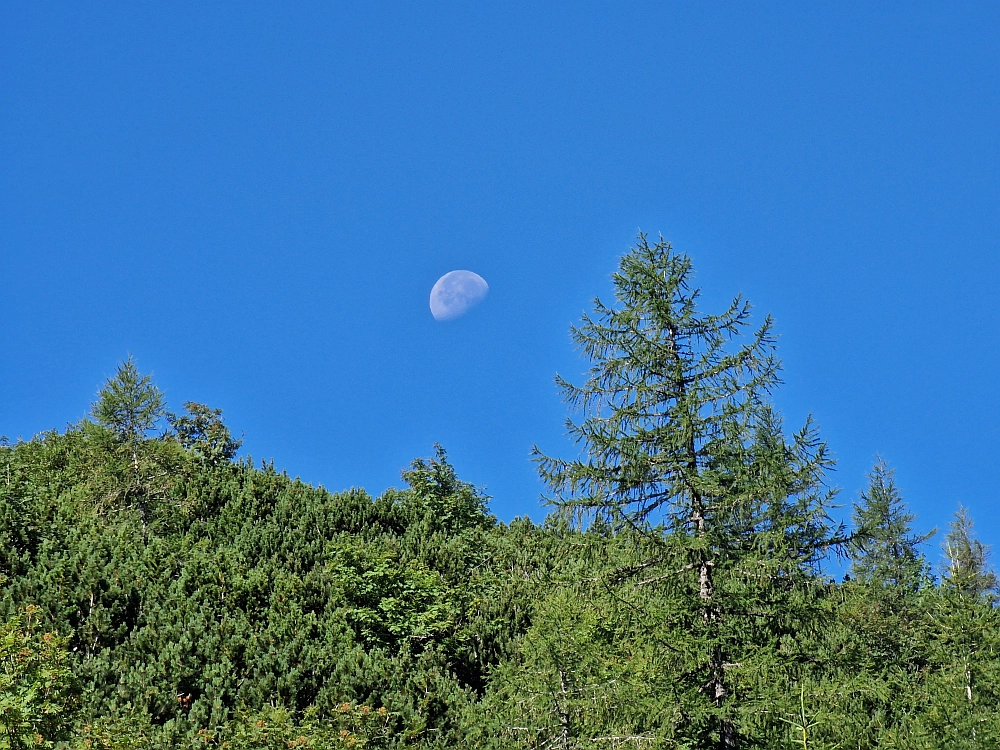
pixel 160 591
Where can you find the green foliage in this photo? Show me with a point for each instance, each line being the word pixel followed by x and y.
pixel 662 399
pixel 203 432
pixel 675 598
pixel 37 693
pixel 967 560
pixel 683 451
pixel 129 404
pixel 240 588
pixel 591 672
pixel 390 599
pixel 130 472
pixel 349 726
pixel 885 551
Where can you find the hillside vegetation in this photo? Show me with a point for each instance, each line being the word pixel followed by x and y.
pixel 159 591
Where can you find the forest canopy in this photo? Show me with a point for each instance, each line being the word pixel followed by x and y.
pixel 690 587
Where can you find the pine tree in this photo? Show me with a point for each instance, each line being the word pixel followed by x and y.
pixel 885 550
pixel 682 448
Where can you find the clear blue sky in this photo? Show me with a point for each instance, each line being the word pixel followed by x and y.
pixel 255 200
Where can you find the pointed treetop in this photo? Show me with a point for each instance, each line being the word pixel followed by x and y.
pixel 966 566
pixel 670 390
pixel 885 550
pixel 435 489
pixel 129 404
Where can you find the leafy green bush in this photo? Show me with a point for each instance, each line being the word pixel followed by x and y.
pixel 38 699
pixel 272 728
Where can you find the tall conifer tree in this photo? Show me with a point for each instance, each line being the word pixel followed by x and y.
pixel 967 568
pixel 682 450
pixel 885 551
pixel 129 404
pixel 129 407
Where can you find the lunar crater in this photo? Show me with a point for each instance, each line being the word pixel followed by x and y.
pixel 455 293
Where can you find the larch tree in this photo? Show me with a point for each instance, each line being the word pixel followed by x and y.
pixel 966 631
pixel 129 407
pixel 129 404
pixel 966 567
pixel 885 551
pixel 682 451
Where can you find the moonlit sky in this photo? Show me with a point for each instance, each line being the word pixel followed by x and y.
pixel 255 200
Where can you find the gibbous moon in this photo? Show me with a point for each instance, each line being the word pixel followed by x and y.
pixel 455 292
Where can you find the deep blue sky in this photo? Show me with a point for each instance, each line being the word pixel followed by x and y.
pixel 255 199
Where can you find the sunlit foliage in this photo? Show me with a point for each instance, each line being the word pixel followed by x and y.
pixel 157 590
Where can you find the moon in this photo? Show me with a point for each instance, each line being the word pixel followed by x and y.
pixel 456 292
